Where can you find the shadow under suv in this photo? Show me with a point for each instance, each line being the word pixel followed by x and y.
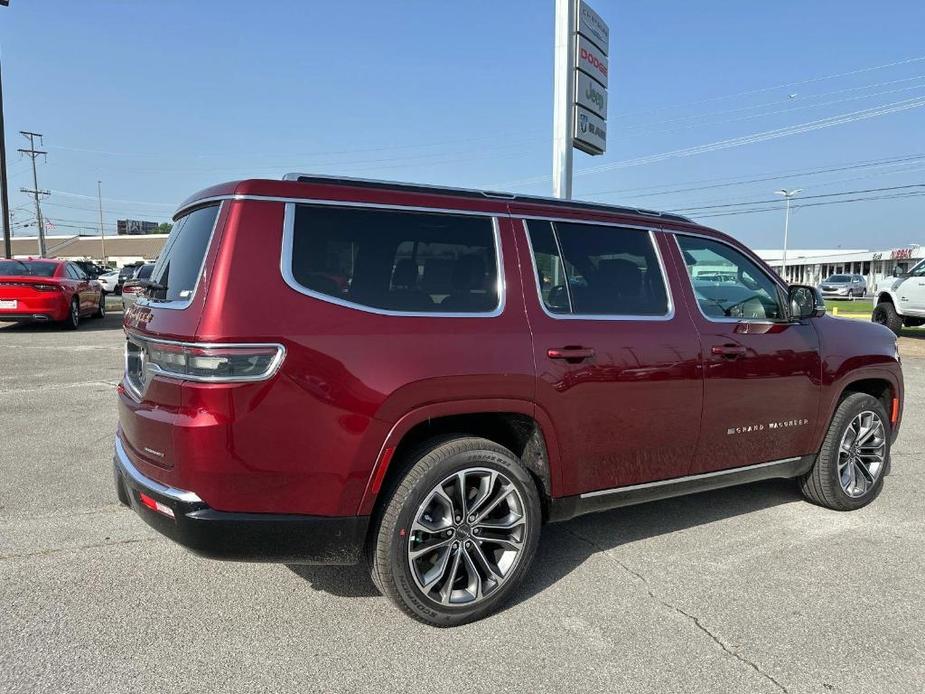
pixel 334 371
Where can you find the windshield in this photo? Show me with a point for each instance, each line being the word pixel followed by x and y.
pixel 27 268
pixel 839 278
pixel 178 268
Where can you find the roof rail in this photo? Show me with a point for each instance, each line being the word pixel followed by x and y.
pixel 473 193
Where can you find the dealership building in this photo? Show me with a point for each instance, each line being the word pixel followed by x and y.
pixel 117 250
pixel 813 266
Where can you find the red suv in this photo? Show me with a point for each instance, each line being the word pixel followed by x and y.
pixel 48 290
pixel 327 370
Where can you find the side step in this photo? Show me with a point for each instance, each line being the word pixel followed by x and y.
pixel 568 507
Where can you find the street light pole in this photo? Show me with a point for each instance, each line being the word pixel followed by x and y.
pixel 99 195
pixel 787 195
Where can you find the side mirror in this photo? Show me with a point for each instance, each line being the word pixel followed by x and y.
pixel 805 302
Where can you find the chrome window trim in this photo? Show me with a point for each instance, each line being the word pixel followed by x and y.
pixel 687 478
pixel 690 281
pixel 144 481
pixel 151 371
pixel 285 264
pixel 178 304
pixel 600 316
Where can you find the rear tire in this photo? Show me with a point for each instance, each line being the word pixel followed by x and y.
pixel 849 470
pixel 885 314
pixel 482 541
pixel 72 322
pixel 101 309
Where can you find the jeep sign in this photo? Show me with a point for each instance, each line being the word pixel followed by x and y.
pixel 590 94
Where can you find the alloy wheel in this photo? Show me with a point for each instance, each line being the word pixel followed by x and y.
pixel 861 454
pixel 467 537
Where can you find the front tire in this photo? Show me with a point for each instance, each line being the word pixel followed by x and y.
pixel 885 314
pixel 848 472
pixel 458 533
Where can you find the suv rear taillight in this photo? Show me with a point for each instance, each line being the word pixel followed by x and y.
pixel 209 363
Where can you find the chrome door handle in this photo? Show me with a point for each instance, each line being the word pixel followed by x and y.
pixel 570 354
pixel 728 351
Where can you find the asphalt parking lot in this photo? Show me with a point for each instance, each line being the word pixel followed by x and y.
pixel 743 590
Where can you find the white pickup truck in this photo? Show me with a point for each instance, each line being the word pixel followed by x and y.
pixel 900 299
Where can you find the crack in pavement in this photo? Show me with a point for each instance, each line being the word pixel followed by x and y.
pixel 78 548
pixel 674 608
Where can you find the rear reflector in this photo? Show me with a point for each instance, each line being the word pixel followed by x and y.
pixel 155 505
pixel 379 475
pixel 894 415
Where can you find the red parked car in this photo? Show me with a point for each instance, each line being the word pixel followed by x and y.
pixel 40 289
pixel 325 370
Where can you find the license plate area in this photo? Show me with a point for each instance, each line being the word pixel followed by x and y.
pixel 9 303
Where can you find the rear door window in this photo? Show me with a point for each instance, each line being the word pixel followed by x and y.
pixel 596 270
pixel 179 265
pixel 408 262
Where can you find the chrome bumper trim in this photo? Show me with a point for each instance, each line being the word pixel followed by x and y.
pixel 142 480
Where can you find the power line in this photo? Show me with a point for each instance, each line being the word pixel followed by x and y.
pixel 800 128
pixel 804 197
pixel 712 183
pixel 828 203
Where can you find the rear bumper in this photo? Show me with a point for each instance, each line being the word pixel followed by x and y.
pixel 54 307
pixel 260 537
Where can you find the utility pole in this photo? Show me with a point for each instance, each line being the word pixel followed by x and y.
pixel 788 194
pixel 4 195
pixel 99 195
pixel 563 114
pixel 35 192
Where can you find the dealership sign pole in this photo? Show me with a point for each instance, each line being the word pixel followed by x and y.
pixel 580 89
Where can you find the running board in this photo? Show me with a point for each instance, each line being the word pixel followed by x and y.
pixel 568 507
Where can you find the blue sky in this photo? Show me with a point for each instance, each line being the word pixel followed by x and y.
pixel 159 99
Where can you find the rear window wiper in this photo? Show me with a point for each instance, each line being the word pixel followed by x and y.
pixel 151 285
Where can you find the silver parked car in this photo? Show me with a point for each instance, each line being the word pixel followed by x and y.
pixel 136 285
pixel 843 287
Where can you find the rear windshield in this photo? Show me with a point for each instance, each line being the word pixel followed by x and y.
pixel 144 272
pixel 27 268
pixel 176 271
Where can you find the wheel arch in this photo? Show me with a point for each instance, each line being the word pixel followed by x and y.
pixel 516 424
pixel 881 384
pixel 884 297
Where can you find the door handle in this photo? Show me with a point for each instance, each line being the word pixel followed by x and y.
pixel 728 351
pixel 570 354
